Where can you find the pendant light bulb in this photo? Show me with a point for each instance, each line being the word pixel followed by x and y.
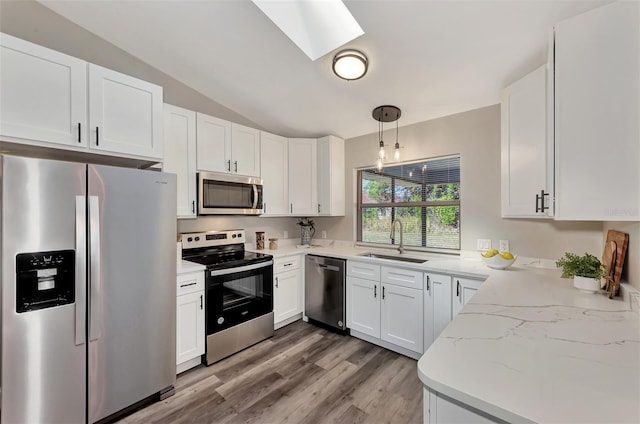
pixel 396 151
pixel 381 152
pixel 379 164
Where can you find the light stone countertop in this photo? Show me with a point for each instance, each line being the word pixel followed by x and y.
pixel 529 347
pixel 185 267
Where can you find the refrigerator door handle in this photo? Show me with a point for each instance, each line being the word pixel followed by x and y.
pixel 81 268
pixel 95 309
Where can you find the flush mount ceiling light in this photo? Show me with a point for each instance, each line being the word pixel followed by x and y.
pixel 386 113
pixel 316 27
pixel 350 64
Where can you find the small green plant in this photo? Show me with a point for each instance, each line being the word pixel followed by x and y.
pixel 583 266
pixel 305 222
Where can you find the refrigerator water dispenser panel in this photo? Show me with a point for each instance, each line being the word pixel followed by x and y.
pixel 44 280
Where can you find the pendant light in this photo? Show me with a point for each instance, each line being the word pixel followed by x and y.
pixel 382 114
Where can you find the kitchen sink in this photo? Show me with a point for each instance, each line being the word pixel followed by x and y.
pixel 394 258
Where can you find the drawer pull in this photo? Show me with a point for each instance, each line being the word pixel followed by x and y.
pixel 201 302
pixel 189 284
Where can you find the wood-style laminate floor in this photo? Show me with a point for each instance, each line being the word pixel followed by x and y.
pixel 304 374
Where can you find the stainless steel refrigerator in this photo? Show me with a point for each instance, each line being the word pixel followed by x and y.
pixel 88 289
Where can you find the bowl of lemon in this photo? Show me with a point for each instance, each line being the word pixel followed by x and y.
pixel 496 260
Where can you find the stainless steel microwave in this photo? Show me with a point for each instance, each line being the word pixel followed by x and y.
pixel 222 194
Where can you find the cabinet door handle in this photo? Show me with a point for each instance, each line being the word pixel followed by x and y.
pixel 79 132
pixel 229 165
pixel 291 207
pixel 540 199
pixel 375 291
pixel 428 289
pixel 264 206
pixel 97 136
pixel 236 163
pixel 276 282
pixel 383 292
pixel 200 302
pixel 458 288
pixel 318 207
pixel 193 206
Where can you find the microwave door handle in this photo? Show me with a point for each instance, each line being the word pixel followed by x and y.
pixel 255 196
pixel 95 306
pixel 81 268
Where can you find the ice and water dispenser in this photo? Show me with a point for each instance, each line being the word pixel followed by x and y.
pixel 44 280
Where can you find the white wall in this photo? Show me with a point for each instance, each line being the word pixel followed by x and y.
pixel 475 135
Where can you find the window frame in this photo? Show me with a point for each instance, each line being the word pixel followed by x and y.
pixel 422 204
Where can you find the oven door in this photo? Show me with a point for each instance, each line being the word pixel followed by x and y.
pixel 237 295
pixel 220 194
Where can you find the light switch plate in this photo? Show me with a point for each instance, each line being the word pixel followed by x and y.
pixel 504 246
pixel 286 234
pixel 484 244
pixel 324 234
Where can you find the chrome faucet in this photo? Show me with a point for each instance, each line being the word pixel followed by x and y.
pixel 393 234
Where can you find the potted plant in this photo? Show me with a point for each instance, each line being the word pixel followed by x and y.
pixel 586 270
pixel 307 230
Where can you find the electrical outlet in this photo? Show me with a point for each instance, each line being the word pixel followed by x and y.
pixel 484 244
pixel 324 234
pixel 504 246
pixel 286 234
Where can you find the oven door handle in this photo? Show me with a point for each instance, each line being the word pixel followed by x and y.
pixel 227 271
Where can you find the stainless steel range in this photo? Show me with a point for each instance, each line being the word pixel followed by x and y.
pixel 239 291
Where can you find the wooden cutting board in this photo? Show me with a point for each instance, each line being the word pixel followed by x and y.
pixel 622 242
pixel 609 262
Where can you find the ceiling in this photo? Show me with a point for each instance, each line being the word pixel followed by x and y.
pixel 430 58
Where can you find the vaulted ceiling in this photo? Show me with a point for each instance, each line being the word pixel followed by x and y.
pixel 430 58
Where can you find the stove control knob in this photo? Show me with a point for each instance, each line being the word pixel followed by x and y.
pixel 233 236
pixel 197 238
pixel 189 240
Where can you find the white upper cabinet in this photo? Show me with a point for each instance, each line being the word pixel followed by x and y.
pixel 597 110
pixel 274 167
pixel 213 143
pixel 180 155
pixel 51 99
pixel 303 185
pixel 331 178
pixel 227 147
pixel 245 150
pixel 43 94
pixel 125 114
pixel 526 171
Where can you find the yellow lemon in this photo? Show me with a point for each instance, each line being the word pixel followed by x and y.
pixel 507 255
pixel 490 253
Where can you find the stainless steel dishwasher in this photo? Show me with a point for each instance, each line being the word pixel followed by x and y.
pixel 324 291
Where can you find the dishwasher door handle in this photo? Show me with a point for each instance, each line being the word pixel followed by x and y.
pixel 329 267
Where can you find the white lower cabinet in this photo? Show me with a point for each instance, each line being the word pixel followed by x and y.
pixel 387 314
pixel 437 306
pixel 463 290
pixel 401 314
pixel 287 290
pixel 363 306
pixel 190 329
pixel 439 409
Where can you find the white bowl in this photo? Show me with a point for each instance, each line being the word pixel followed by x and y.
pixel 498 262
